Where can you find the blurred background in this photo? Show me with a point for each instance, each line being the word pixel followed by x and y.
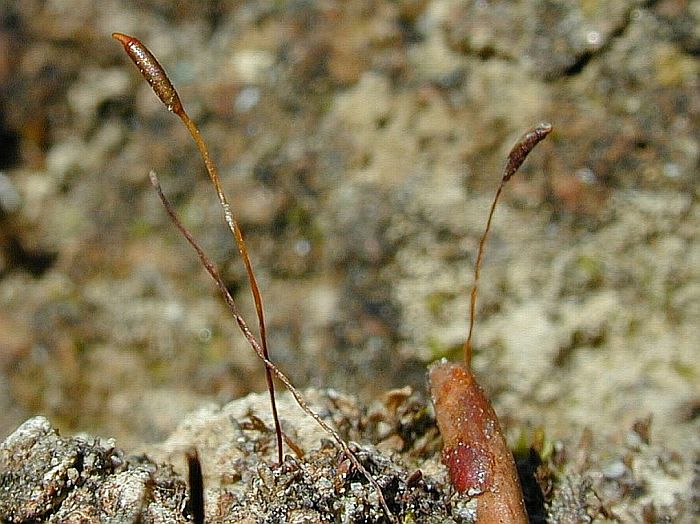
pixel 360 143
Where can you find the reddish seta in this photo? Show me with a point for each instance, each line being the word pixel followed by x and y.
pixel 476 453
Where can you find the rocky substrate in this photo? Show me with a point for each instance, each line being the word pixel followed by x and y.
pixel 49 478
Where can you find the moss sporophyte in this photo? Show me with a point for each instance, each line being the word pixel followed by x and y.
pixel 475 451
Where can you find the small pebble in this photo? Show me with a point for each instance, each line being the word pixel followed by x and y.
pixel 615 470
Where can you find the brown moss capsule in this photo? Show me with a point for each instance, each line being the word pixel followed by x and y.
pixel 151 70
pixel 523 146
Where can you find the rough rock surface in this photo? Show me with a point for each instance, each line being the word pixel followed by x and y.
pixel 48 478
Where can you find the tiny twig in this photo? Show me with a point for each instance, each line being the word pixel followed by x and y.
pixel 196 486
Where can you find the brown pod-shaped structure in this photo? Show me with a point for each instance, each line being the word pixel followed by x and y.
pixel 151 70
pixel 523 147
pixel 475 452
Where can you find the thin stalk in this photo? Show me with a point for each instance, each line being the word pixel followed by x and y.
pixel 516 157
pixel 158 79
pixel 270 366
